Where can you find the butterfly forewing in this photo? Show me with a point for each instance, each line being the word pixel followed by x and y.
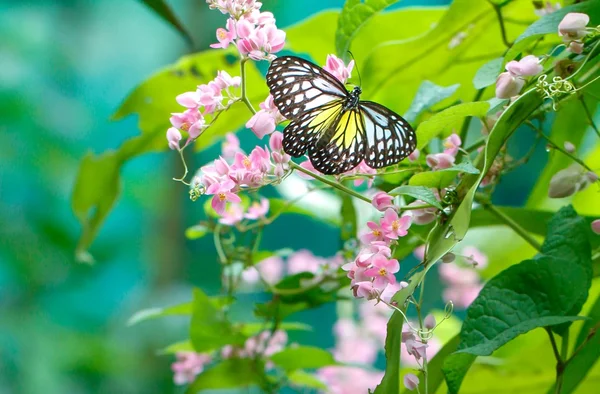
pixel 389 137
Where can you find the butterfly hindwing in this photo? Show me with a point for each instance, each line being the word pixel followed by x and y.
pixel 389 137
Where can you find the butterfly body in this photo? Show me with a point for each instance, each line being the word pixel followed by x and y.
pixel 331 124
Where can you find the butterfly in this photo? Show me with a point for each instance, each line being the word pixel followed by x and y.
pixel 331 123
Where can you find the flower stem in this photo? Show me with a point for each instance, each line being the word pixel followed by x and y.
pixel 589 115
pixel 509 222
pixel 244 93
pixel 501 22
pixel 330 182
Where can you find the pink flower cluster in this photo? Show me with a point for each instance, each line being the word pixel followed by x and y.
pixel 263 344
pixel 510 83
pixel 188 365
pixel 271 269
pixel 205 100
pixel 573 30
pixel 440 161
pixel 373 269
pixel 463 281
pixel 254 33
pixel 266 119
pixel 224 180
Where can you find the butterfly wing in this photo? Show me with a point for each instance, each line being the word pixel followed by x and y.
pixel 309 96
pixel 342 146
pixel 389 138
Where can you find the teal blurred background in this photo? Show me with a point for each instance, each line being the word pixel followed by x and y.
pixel 64 69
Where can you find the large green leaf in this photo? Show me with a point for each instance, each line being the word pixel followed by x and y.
pixel 302 357
pixel 231 373
pixel 427 96
pixel 152 313
pixel 547 291
pixel 353 16
pixel 418 192
pixel 488 73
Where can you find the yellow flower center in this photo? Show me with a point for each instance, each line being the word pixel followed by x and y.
pixel 222 196
pixel 382 272
pixel 185 126
pixel 246 163
pixel 376 233
pixel 222 34
pixel 395 225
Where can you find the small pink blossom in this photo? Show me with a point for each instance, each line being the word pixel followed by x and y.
pixel 258 210
pixel 383 271
pixel 526 67
pixel 596 226
pixel 224 80
pixel 452 144
pixel 266 119
pixel 232 215
pixel 416 348
pixel 349 379
pixel 414 156
pixel 411 381
pixel 475 257
pixel 191 120
pixel 276 141
pixel 576 47
pixel 573 26
pixel 230 146
pixel 188 100
pixel 429 322
pixel 508 86
pixel 376 233
pixel 271 269
pixel 382 201
pixel 395 226
pixel 454 275
pixel 440 161
pixel 222 194
pixel 369 252
pixel 188 366
pixel 362 168
pixel 303 261
pixel 210 96
pixel 173 137
pixel 391 289
pixel 338 69
pixel 225 36
pixel 365 289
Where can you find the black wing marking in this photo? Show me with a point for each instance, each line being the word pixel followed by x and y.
pixel 389 137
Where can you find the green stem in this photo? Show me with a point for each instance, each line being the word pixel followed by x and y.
pixel 330 182
pixel 589 115
pixel 501 22
pixel 218 245
pixel 560 365
pixel 421 327
pixel 509 222
pixel 244 94
pixel 465 126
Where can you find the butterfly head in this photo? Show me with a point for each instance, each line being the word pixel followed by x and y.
pixel 353 99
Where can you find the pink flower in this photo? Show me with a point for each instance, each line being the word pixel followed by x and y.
pixel 365 289
pixel 411 381
pixel 440 161
pixel 382 201
pixel 303 261
pixel 414 156
pixel 188 366
pixel 454 275
pixel 262 42
pixel 576 47
pixel 173 137
pixel 225 36
pixel 349 380
pixel 368 253
pixel 391 289
pixel 232 215
pixel 573 26
pixel 429 322
pixel 451 144
pixel 266 119
pixel 383 271
pixel 508 86
pixel 188 100
pixel 475 257
pixel 210 96
pixel 422 216
pixel 338 69
pixel 362 168
pixel 222 194
pixel 394 226
pixel 416 348
pixel 260 159
pixel 224 80
pixel 191 120
pixel 526 67
pixel 276 141
pixel 258 210
pixel 596 226
pixel 376 234
pixel 230 146
pixel 271 269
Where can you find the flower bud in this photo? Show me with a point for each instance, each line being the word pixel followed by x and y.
pixel 566 182
pixel 569 147
pixel 429 322
pixel 573 25
pixel 596 226
pixel 448 257
pixel 576 47
pixel 276 141
pixel 382 201
pixel 411 381
pixel 526 67
pixel 508 86
pixel 173 137
pixel 414 155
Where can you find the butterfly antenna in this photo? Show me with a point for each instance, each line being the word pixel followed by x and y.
pixel 357 70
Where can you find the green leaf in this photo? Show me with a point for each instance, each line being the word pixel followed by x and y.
pixel 348 214
pixel 163 10
pixel 152 313
pixel 548 24
pixel 392 382
pixel 353 16
pixel 209 328
pixel 440 179
pixel 97 187
pixel 302 357
pixel 251 329
pixel 196 232
pixel 419 192
pixel 183 346
pixel 427 96
pixel 231 373
pixel 547 291
pixel 278 206
pixel 301 378
pixel 488 73
pixel 447 120
pixel 582 362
